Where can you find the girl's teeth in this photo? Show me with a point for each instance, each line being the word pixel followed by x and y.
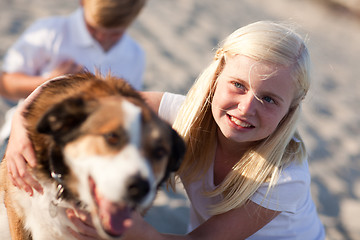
pixel 239 123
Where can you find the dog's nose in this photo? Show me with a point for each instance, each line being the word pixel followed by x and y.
pixel 138 187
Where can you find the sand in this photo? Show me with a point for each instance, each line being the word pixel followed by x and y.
pixel 179 38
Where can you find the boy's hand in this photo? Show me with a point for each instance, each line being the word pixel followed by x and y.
pixel 66 67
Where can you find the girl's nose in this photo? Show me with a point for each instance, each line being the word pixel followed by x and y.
pixel 247 104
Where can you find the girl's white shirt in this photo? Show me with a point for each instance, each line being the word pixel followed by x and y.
pixel 291 195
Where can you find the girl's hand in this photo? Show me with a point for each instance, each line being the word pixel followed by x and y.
pixel 20 156
pixel 85 230
pixel 141 230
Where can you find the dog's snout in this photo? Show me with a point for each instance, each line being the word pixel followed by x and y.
pixel 138 188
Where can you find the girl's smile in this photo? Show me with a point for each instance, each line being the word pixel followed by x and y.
pixel 239 122
pixel 251 98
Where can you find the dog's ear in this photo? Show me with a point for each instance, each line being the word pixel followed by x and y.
pixel 63 117
pixel 177 152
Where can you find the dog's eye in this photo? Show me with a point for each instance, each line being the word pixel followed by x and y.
pixel 159 152
pixel 113 138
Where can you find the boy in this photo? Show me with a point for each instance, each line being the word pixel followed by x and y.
pixel 93 37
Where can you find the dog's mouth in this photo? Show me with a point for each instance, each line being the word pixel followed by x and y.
pixel 115 218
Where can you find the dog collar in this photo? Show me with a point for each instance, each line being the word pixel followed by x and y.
pixel 56 176
pixel 60 186
pixel 53 207
pixel 55 171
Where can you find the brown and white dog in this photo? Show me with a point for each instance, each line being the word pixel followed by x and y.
pixel 99 147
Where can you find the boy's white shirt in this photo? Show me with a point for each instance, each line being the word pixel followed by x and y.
pixel 52 40
pixel 291 195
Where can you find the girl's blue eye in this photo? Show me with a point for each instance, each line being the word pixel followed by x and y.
pixel 268 99
pixel 238 85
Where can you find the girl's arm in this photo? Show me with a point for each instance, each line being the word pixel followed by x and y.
pixel 19 153
pixel 236 224
pixel 153 99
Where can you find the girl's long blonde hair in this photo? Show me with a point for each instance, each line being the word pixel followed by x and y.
pixel 263 41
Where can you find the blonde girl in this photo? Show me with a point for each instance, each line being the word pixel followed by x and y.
pixel 245 170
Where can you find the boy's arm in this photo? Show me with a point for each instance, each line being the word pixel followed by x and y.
pixel 15 86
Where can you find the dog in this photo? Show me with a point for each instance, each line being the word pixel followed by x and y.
pixel 99 148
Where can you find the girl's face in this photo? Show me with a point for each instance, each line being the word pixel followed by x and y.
pixel 251 98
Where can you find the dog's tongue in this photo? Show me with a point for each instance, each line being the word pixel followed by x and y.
pixel 114 218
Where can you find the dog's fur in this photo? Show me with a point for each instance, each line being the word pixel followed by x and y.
pixel 97 140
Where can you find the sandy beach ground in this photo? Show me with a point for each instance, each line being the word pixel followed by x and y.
pixel 179 38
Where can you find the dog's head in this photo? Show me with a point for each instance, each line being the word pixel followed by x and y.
pixel 113 153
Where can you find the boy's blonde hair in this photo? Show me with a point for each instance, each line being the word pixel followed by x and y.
pixel 263 41
pixel 113 13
